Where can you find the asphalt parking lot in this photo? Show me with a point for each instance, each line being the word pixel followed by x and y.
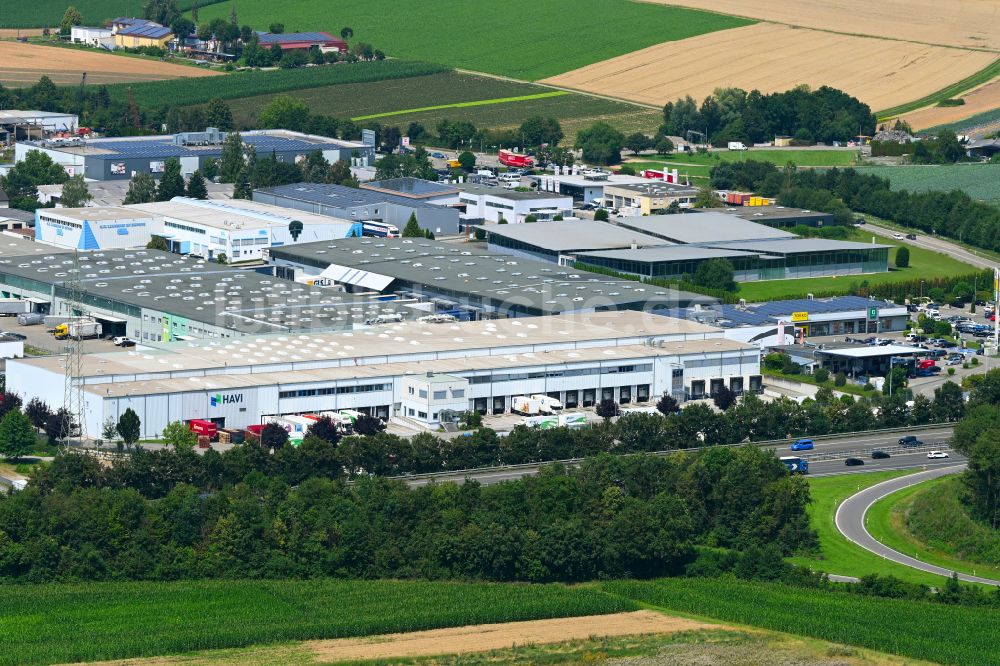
pixel 38 338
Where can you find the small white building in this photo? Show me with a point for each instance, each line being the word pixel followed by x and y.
pixel 483 202
pixel 96 37
pixel 425 397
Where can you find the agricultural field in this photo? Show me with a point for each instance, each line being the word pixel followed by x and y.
pixel 956 23
pixel 251 83
pixel 984 99
pixel 771 57
pixel 494 37
pixel 697 166
pixel 48 13
pixel 915 629
pixel 924 264
pixel 979 181
pixel 23 64
pixel 43 624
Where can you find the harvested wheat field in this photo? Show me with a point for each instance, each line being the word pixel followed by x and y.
pixel 457 640
pixel 11 33
pixel 984 98
pixel 23 64
pixel 772 57
pixel 968 23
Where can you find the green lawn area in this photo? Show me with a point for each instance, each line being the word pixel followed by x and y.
pixel 979 181
pixel 838 555
pixel 524 39
pixel 885 523
pixel 924 264
pixel 849 387
pixel 42 13
pixel 806 157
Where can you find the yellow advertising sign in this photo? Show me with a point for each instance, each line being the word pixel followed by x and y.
pixel 800 316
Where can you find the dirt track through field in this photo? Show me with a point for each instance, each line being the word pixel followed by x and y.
pixel 466 640
pixel 772 57
pixel 982 99
pixel 24 64
pixel 966 23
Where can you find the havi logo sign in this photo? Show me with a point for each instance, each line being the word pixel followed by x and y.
pixel 219 399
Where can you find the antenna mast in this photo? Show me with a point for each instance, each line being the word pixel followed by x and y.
pixel 73 383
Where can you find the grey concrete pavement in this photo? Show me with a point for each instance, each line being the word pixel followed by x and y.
pixel 850 520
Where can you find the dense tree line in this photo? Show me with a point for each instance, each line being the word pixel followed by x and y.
pixel 614 517
pixel 977 437
pixel 951 214
pixel 731 114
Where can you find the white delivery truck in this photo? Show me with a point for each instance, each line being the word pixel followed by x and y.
pixel 14 306
pixel 547 403
pixel 737 145
pixel 520 404
pixel 543 422
pixel 573 419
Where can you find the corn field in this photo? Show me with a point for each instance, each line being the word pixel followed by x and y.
pixel 917 629
pixel 56 623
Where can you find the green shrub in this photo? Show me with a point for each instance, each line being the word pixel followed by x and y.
pixel 951 371
pixel 822 375
pixel 840 379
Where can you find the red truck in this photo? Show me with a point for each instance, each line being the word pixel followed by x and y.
pixel 512 159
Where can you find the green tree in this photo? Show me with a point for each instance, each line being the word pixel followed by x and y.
pixel 949 404
pixel 716 274
pixel 284 112
pixel 219 115
pixel 162 11
pixel 707 199
pixel 667 405
pixel 17 435
pixel 346 33
pixel 179 436
pixel 71 17
pixel 172 183
pixel 75 193
pixel 196 188
pixel 129 427
pixel 601 143
pixel 157 243
pixel 412 228
pixel 232 161
pixel 895 381
pixel 606 409
pixel 664 146
pixel 37 412
pixel 902 257
pixel 182 27
pixel 467 160
pixel 273 437
pixel 109 430
pixel 276 28
pixel 221 258
pixel 21 182
pixel 293 59
pixel 637 142
pixel 601 215
pixel 537 130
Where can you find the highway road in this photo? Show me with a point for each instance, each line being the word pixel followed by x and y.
pixel 935 244
pixel 825 459
pixel 851 513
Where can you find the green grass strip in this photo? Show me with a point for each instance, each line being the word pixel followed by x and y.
pixel 991 71
pixel 462 105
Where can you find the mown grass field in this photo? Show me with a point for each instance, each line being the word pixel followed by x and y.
pixel 979 181
pixel 187 92
pixel 887 523
pixel 806 157
pixel 524 39
pixel 924 264
pixel 46 13
pixel 837 554
pixel 58 623
pixel 916 629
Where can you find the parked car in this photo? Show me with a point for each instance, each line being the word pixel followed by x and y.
pixel 910 440
pixel 955 360
pixel 16 336
pixel 880 455
pixel 937 454
pixel 802 445
pixel 854 462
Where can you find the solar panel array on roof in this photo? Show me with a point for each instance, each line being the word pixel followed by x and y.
pixel 163 146
pixel 267 38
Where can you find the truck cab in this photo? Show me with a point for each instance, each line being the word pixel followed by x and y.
pixel 795 465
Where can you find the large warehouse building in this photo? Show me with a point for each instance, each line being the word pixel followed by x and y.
pixel 411 370
pixel 361 205
pixel 671 246
pixel 154 296
pixel 238 229
pixel 122 158
pixel 467 281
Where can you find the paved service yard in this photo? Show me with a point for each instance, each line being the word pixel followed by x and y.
pixel 39 338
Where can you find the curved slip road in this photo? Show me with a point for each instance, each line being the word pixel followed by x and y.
pixel 850 520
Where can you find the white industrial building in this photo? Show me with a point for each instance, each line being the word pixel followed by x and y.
pixel 490 204
pixel 96 37
pixel 579 359
pixel 238 228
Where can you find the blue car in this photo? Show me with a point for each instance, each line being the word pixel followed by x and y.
pixel 802 445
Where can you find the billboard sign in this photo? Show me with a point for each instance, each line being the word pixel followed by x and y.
pixel 118 168
pixel 157 166
pixel 800 316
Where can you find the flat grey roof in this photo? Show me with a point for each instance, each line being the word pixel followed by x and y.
pixel 469 272
pixel 869 351
pixel 513 195
pixel 666 253
pixel 656 188
pixel 701 228
pixel 574 235
pixel 413 187
pixel 752 213
pixel 795 244
pixel 17 246
pixel 341 196
pixel 197 290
